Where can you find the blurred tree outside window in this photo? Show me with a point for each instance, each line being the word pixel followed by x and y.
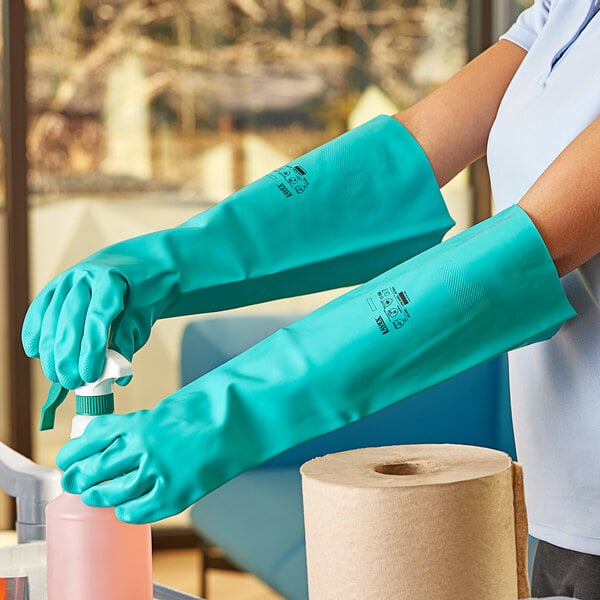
pixel 148 96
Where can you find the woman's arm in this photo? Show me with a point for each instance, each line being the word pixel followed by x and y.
pixel 564 202
pixel 453 123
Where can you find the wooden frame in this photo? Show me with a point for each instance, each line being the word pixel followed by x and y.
pixel 14 131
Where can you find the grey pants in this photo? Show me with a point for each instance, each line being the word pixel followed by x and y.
pixel 560 572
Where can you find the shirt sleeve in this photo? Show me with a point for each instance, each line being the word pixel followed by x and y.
pixel 529 24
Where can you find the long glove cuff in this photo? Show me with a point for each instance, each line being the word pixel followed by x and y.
pixel 481 293
pixel 337 216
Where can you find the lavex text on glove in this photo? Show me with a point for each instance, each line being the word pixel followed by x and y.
pixel 92 555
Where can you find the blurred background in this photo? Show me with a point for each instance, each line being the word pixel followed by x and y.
pixel 123 117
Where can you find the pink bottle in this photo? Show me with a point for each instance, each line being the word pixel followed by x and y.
pixel 90 554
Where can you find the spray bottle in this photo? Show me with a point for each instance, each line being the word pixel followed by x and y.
pixel 91 555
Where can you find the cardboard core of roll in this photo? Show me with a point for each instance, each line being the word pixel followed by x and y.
pixel 406 468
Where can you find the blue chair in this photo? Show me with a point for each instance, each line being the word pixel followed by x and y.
pixel 256 519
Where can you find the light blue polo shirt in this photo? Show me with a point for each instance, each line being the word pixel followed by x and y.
pixel 555 385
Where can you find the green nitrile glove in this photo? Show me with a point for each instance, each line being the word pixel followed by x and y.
pixel 485 291
pixel 337 216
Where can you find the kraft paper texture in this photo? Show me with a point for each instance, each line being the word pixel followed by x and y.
pixel 419 522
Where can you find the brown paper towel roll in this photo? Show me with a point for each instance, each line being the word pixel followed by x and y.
pixel 420 522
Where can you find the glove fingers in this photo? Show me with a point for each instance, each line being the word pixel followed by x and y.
pixel 129 334
pixel 99 435
pixel 102 466
pixel 32 324
pixel 121 339
pixel 119 490
pixel 122 342
pixel 106 303
pixel 48 329
pixel 68 328
pixel 144 509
